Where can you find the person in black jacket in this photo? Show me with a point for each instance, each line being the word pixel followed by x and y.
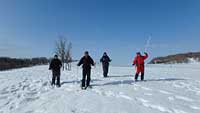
pixel 55 66
pixel 105 60
pixel 86 62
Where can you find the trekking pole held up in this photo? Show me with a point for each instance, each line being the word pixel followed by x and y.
pixel 147 43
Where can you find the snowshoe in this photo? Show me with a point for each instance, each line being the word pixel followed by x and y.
pixel 90 87
pixel 83 88
pixel 58 86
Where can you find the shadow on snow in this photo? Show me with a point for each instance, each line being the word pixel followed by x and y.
pixel 77 81
pixel 120 76
pixel 129 82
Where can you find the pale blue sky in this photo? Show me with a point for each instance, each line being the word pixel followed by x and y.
pixel 29 28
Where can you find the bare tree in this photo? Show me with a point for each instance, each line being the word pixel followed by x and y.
pixel 64 51
pixel 60 49
pixel 68 56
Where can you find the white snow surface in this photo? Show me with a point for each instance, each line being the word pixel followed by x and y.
pixel 167 89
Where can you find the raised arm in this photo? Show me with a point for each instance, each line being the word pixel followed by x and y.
pixel 145 55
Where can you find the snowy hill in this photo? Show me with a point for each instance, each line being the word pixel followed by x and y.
pixel 167 89
pixel 192 57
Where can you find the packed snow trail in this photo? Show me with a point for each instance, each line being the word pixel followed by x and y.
pixel 167 89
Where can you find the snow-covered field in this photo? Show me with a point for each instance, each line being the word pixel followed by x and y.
pixel 167 89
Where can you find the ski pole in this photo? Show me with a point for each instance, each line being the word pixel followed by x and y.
pixel 147 43
pixel 76 74
pixel 49 78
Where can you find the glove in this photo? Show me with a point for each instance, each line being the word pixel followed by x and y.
pixel 133 64
pixel 145 53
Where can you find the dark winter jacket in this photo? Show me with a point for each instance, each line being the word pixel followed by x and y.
pixel 105 60
pixel 55 66
pixel 86 62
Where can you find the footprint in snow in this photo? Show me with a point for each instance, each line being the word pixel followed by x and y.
pixel 171 98
pixel 109 93
pixel 195 107
pixel 3 97
pixel 112 94
pixel 124 96
pixel 148 94
pixel 180 85
pixel 37 81
pixel 25 87
pixel 184 98
pixel 178 111
pixel 32 89
pixel 45 84
pixel 145 88
pixel 80 111
pixel 165 92
pixel 13 105
pixel 142 100
pixel 157 107
pixel 13 87
pixel 4 92
pixel 147 104
pixel 31 93
pixel 27 100
pixel 4 103
pixel 14 90
pixel 29 112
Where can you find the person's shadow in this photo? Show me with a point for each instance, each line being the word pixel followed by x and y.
pixel 77 81
pixel 116 76
pixel 122 82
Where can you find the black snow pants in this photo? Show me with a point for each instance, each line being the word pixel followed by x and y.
pixel 56 77
pixel 105 70
pixel 86 77
pixel 142 76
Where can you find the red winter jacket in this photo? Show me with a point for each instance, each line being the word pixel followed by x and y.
pixel 139 60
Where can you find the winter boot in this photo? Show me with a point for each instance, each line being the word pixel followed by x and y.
pixel 142 77
pixel 136 77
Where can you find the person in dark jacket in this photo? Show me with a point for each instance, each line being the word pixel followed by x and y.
pixel 86 62
pixel 55 66
pixel 105 60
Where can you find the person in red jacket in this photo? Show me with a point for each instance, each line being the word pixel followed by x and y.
pixel 139 63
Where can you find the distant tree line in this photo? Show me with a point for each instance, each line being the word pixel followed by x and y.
pixel 7 63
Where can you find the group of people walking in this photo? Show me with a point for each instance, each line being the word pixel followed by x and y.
pixel 86 61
